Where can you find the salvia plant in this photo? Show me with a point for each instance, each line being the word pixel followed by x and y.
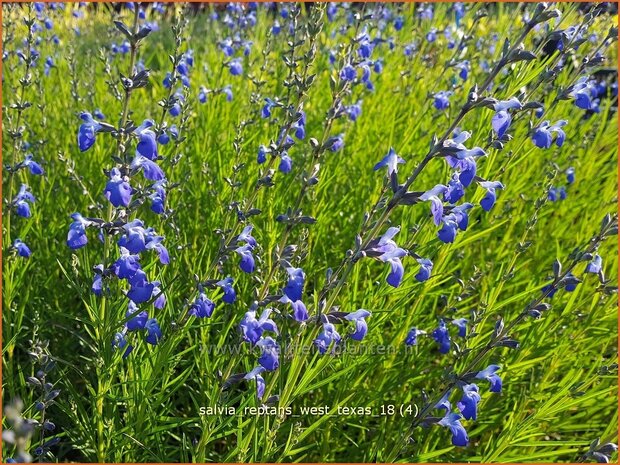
pixel 310 232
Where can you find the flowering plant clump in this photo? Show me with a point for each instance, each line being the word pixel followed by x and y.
pixel 272 231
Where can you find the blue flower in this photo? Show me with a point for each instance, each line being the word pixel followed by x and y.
pixel 456 189
pixel 489 199
pixel 147 145
pixel 412 336
pixel 463 68
pixel 153 332
pixel 354 111
pixel 127 265
pixel 456 148
pixel 348 73
pixel 270 352
pixel 22 201
pixel 442 337
pixel 150 169
pixel 489 373
pixel 246 236
pixel 252 328
pixel 399 23
pixel 335 143
pixel 361 327
pixel 436 204
pixel 141 290
pixel 570 175
pixel 255 374
pixel 154 242
pixel 247 263
pixel 97 286
pixel 502 118
pixel 387 251
pixel 461 323
pixel 21 248
pixel 442 99
pixel 235 67
pixel 468 405
pixel 426 267
pixel 543 134
pixel 202 307
pixel 117 190
pixel 229 291
pixel 134 238
pixel 32 165
pixel 391 161
pixel 584 92
pixel 77 232
pixel 452 422
pixel 120 342
pixel 326 337
pixel 158 197
pixel 137 319
pixel 262 154
pixel 300 313
pixel 596 265
pixel 295 285
pixel 266 111
pixel 286 163
pixel 87 131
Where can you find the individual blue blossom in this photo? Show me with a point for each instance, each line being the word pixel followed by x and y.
pixel 246 236
pixel 120 342
pixel 455 190
pixel 543 134
pixel 153 331
pixel 466 168
pixel 387 251
pixel 412 336
pixel 365 46
pixel 134 239
pixel 300 313
pixel 442 337
pixel 158 197
pixel 449 228
pixel 141 289
pixel 247 262
pixel 32 165
pixel 584 91
pixel 348 73
pixel 390 161
pixel 468 405
pixel 431 36
pixel 149 168
pixel 262 154
pixel 295 284
pixel 463 67
pixel 160 297
pixel 570 175
pixel 270 352
pixel 335 143
pixel 426 267
pixel 147 145
pixel 21 248
pixel 432 196
pixel 361 327
pixel 77 232
pixel 97 286
pixel 255 374
pixel 461 324
pixel 276 28
pixel 286 163
pixel 127 265
pixel 137 319
pixel 117 190
pixel 490 374
pixel 87 131
pixel 596 265
pixel 300 126
pixel 441 99
pixel 453 423
pixel 456 148
pixel 47 67
pixel 202 307
pixel 22 201
pixel 230 296
pixel 502 118
pixel 235 67
pixel 253 328
pixel 354 111
pixel 154 242
pixel 488 200
pixel 202 94
pixel 326 337
pixel 266 110
pixel 399 22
